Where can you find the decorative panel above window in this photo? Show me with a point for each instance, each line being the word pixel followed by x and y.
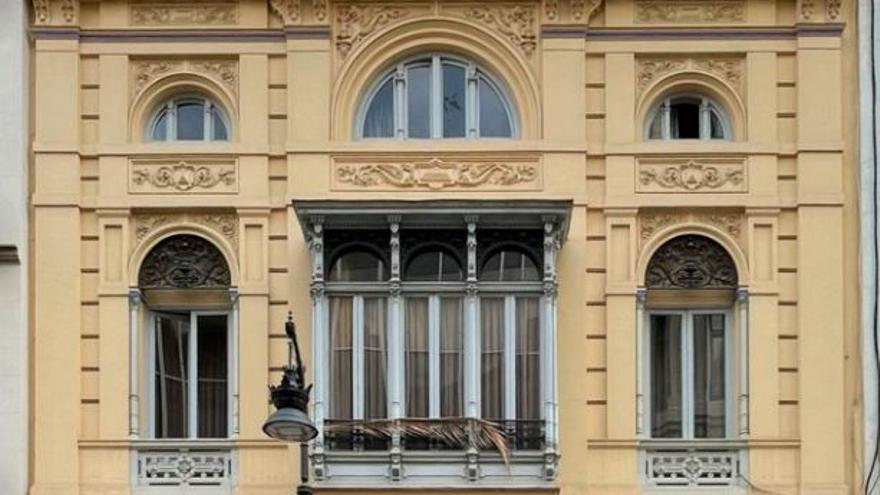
pixel 687 116
pixel 184 262
pixel 188 118
pixel 691 262
pixel 437 96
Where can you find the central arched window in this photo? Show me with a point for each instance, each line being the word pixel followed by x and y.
pixel 687 116
pixel 188 118
pixel 436 97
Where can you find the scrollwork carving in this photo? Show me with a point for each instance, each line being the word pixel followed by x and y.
pixel 355 22
pixel 729 69
pixel 225 224
pixel 190 13
pixel 691 175
pixel 288 10
pixel 691 262
pixel 652 222
pixel 184 261
pixel 145 72
pixel 182 176
pixel 516 22
pixel 436 174
pixel 689 11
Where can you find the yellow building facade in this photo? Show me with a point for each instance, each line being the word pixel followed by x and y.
pixel 620 234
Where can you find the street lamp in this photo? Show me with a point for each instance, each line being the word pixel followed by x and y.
pixel 290 422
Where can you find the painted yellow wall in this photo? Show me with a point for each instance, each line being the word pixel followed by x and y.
pixel 292 80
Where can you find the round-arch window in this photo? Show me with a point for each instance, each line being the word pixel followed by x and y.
pixel 436 97
pixel 357 266
pixel 188 118
pixel 687 117
pixel 434 266
pixel 510 265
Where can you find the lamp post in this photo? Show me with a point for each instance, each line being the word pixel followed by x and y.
pixel 290 422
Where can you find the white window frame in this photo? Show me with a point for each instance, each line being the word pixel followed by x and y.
pixel 687 339
pixel 169 108
pixel 192 386
pixel 399 76
pixel 662 110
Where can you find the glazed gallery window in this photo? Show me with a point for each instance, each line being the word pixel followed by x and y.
pixel 189 371
pixel 436 97
pixel 189 118
pixel 687 117
pixel 690 374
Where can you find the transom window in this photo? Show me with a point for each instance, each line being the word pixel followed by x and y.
pixel 189 118
pixel 687 117
pixel 437 97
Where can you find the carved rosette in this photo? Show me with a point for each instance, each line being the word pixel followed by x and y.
pixel 691 262
pixel 517 22
pixel 156 176
pixel 184 261
pixel 728 69
pixel 437 174
pixel 689 11
pixel 183 13
pixel 225 224
pixel 672 175
pixel 651 222
pixel 222 71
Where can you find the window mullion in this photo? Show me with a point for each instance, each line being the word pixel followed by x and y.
pixel 434 356
pixel 510 357
pixel 207 122
pixel 705 120
pixel 357 400
pixel 193 379
pixel 399 104
pixel 435 89
pixel 471 105
pixel 666 122
pixel 171 127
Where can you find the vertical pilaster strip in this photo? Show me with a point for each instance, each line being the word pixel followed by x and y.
pixel 134 303
pixel 641 334
pixel 472 343
pixel 548 341
pixel 395 347
pixel 315 239
pixel 742 299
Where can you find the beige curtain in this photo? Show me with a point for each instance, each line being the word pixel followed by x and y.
pixel 416 331
pixel 451 358
pixel 340 357
pixel 709 389
pixel 375 358
pixel 492 357
pixel 666 392
pixel 528 359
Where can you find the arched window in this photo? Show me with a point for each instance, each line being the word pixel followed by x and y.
pixel 188 118
pixel 433 266
pixel 510 265
pixel 436 97
pixel 357 266
pixel 687 116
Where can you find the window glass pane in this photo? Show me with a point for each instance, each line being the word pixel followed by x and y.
pixel 451 358
pixel 685 120
pixel 190 121
pixel 416 321
pixel 666 367
pixel 510 266
pixel 357 266
pixel 379 121
pixel 340 357
pixel 656 129
pixel 434 266
pixel 375 358
pixel 220 133
pixel 172 351
pixel 709 381
pixel 160 127
pixel 492 357
pixel 494 121
pixel 213 411
pixel 717 128
pixel 418 85
pixel 528 359
pixel 453 100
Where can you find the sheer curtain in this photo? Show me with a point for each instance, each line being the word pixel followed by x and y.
pixel 528 359
pixel 379 121
pixel 451 358
pixel 375 358
pixel 212 376
pixel 172 376
pixel 666 368
pixel 492 357
pixel 340 357
pixel 416 321
pixel 709 392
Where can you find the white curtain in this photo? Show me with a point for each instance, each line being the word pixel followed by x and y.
pixel 340 357
pixel 492 357
pixel 416 321
pixel 451 358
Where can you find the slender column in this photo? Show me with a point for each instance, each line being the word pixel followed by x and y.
pixel 641 297
pixel 134 303
pixel 233 298
pixel 742 298
pixel 395 347
pixel 315 240
pixel 548 331
pixel 472 345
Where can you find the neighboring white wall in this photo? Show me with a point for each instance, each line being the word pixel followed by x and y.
pixel 14 79
pixel 869 52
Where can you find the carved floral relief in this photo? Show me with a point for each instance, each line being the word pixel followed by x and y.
pixel 56 12
pixel 691 175
pixel 222 71
pixel 515 21
pixel 689 11
pixel 225 224
pixel 157 176
pixel 356 22
pixel 184 261
pixel 183 13
pixel 571 11
pixel 653 221
pixel 691 262
pixel 728 69
pixel 437 174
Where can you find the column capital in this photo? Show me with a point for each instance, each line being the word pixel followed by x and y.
pixel 135 297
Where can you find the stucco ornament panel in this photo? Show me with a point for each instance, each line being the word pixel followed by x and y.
pixel 689 11
pixel 676 175
pixel 517 22
pixel 56 12
pixel 833 9
pixel 691 262
pixel 183 13
pixel 225 224
pixel 437 174
pixel 222 71
pixel 184 261
pixel 288 10
pixel 729 69
pixel 355 22
pixel 652 222
pixel 571 11
pixel 203 175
